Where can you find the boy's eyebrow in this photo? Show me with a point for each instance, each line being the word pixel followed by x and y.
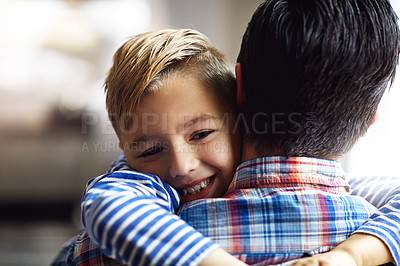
pixel 198 119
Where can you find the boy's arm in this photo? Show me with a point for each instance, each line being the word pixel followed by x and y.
pixel 384 225
pixel 378 240
pixel 376 190
pixel 148 190
pixel 358 249
pixel 130 216
pixel 220 257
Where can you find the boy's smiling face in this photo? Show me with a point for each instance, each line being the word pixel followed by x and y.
pixel 183 134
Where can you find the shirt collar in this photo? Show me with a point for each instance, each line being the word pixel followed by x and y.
pixel 277 170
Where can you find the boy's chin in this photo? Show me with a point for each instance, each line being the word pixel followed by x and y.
pixel 207 192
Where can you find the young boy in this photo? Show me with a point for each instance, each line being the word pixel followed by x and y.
pixel 328 187
pixel 171 98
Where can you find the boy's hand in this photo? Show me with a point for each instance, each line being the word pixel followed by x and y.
pixel 221 257
pixel 358 249
pixel 332 258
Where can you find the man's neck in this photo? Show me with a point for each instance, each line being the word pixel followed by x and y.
pixel 248 153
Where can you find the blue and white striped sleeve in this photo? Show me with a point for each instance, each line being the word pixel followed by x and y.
pixel 384 193
pixel 131 217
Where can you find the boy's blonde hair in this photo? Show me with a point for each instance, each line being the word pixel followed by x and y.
pixel 146 60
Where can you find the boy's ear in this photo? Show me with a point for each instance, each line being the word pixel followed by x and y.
pixel 240 95
pixel 120 146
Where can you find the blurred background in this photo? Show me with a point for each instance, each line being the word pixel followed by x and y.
pixel 54 130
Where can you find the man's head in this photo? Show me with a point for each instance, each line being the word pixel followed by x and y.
pixel 314 72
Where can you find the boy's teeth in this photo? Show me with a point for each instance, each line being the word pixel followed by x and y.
pixel 196 188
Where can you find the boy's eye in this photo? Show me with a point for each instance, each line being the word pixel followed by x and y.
pixel 201 134
pixel 152 151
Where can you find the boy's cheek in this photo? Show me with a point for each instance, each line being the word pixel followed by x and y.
pixel 129 160
pixel 224 158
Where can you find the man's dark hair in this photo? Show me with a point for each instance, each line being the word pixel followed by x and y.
pixel 314 72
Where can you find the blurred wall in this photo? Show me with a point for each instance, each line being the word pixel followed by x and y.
pixel 54 55
pixel 377 152
pixel 223 21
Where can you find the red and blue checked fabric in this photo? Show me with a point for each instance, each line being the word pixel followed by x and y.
pixel 279 209
pixel 80 250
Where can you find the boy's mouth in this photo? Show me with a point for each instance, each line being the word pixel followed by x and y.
pixel 188 191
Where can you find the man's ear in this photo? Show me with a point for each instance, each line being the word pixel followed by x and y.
pixel 240 95
pixel 120 146
pixel 374 119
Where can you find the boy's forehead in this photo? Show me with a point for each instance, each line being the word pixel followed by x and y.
pixel 178 104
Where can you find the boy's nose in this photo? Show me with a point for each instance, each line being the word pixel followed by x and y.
pixel 183 161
